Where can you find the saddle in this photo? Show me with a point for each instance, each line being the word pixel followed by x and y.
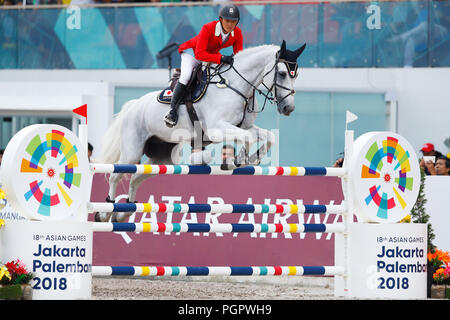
pixel 196 87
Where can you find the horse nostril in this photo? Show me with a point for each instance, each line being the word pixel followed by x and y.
pixel 288 109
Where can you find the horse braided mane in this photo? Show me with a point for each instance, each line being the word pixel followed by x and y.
pixel 256 49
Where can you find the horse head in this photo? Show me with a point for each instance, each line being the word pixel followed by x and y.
pixel 286 68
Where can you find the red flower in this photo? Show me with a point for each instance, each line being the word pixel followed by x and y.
pixel 18 272
pixel 15 267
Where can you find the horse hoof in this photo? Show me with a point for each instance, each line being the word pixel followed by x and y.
pixel 120 216
pixel 101 216
pixel 227 166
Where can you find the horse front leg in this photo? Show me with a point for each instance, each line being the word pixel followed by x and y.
pixel 266 139
pixel 226 133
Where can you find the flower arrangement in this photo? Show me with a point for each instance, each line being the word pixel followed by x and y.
pixel 442 274
pixel 14 272
pixel 438 258
pixel 440 261
pixel 14 281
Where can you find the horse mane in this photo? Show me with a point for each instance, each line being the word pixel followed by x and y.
pixel 257 49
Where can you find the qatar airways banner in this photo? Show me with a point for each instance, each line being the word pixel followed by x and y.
pixel 220 249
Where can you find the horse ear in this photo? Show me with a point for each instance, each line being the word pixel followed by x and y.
pixel 283 46
pixel 299 51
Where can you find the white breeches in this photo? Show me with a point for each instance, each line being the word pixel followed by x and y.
pixel 188 63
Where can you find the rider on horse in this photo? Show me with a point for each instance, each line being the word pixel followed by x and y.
pixel 205 47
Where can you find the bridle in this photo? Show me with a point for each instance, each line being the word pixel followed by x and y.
pixel 271 94
pixel 292 73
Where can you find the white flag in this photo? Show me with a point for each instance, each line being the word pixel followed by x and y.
pixel 350 117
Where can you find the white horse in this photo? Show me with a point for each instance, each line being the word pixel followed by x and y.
pixel 139 128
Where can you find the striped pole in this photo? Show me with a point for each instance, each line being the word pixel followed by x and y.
pixel 216 170
pixel 216 208
pixel 217 271
pixel 215 228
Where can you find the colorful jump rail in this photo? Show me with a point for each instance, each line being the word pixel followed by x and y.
pixel 216 170
pixel 216 208
pixel 214 228
pixel 142 271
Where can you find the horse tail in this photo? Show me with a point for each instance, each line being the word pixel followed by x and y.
pixel 111 139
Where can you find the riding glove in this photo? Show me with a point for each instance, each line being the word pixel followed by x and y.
pixel 227 59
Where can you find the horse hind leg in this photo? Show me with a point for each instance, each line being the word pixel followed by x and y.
pixel 135 181
pixel 114 179
pixel 158 152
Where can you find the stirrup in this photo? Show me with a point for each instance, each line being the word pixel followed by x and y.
pixel 169 122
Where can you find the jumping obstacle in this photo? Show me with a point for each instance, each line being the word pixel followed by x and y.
pixel 142 271
pixel 216 227
pixel 216 170
pixel 216 208
pixel 380 182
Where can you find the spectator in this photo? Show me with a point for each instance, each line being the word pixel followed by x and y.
pixel 228 153
pixel 90 150
pixel 428 150
pixel 441 168
pixel 339 161
pixel 228 156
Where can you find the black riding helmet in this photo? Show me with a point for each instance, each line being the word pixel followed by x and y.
pixel 230 12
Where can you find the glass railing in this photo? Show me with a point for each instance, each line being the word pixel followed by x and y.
pixel 341 34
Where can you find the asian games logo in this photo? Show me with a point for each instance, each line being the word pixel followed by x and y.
pixel 50 166
pixel 389 167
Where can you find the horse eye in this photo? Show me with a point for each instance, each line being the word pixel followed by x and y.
pixel 282 74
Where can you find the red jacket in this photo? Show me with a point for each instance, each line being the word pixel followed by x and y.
pixel 208 42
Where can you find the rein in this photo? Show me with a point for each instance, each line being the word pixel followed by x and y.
pixel 269 96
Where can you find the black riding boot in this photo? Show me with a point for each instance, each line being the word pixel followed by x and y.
pixel 171 118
